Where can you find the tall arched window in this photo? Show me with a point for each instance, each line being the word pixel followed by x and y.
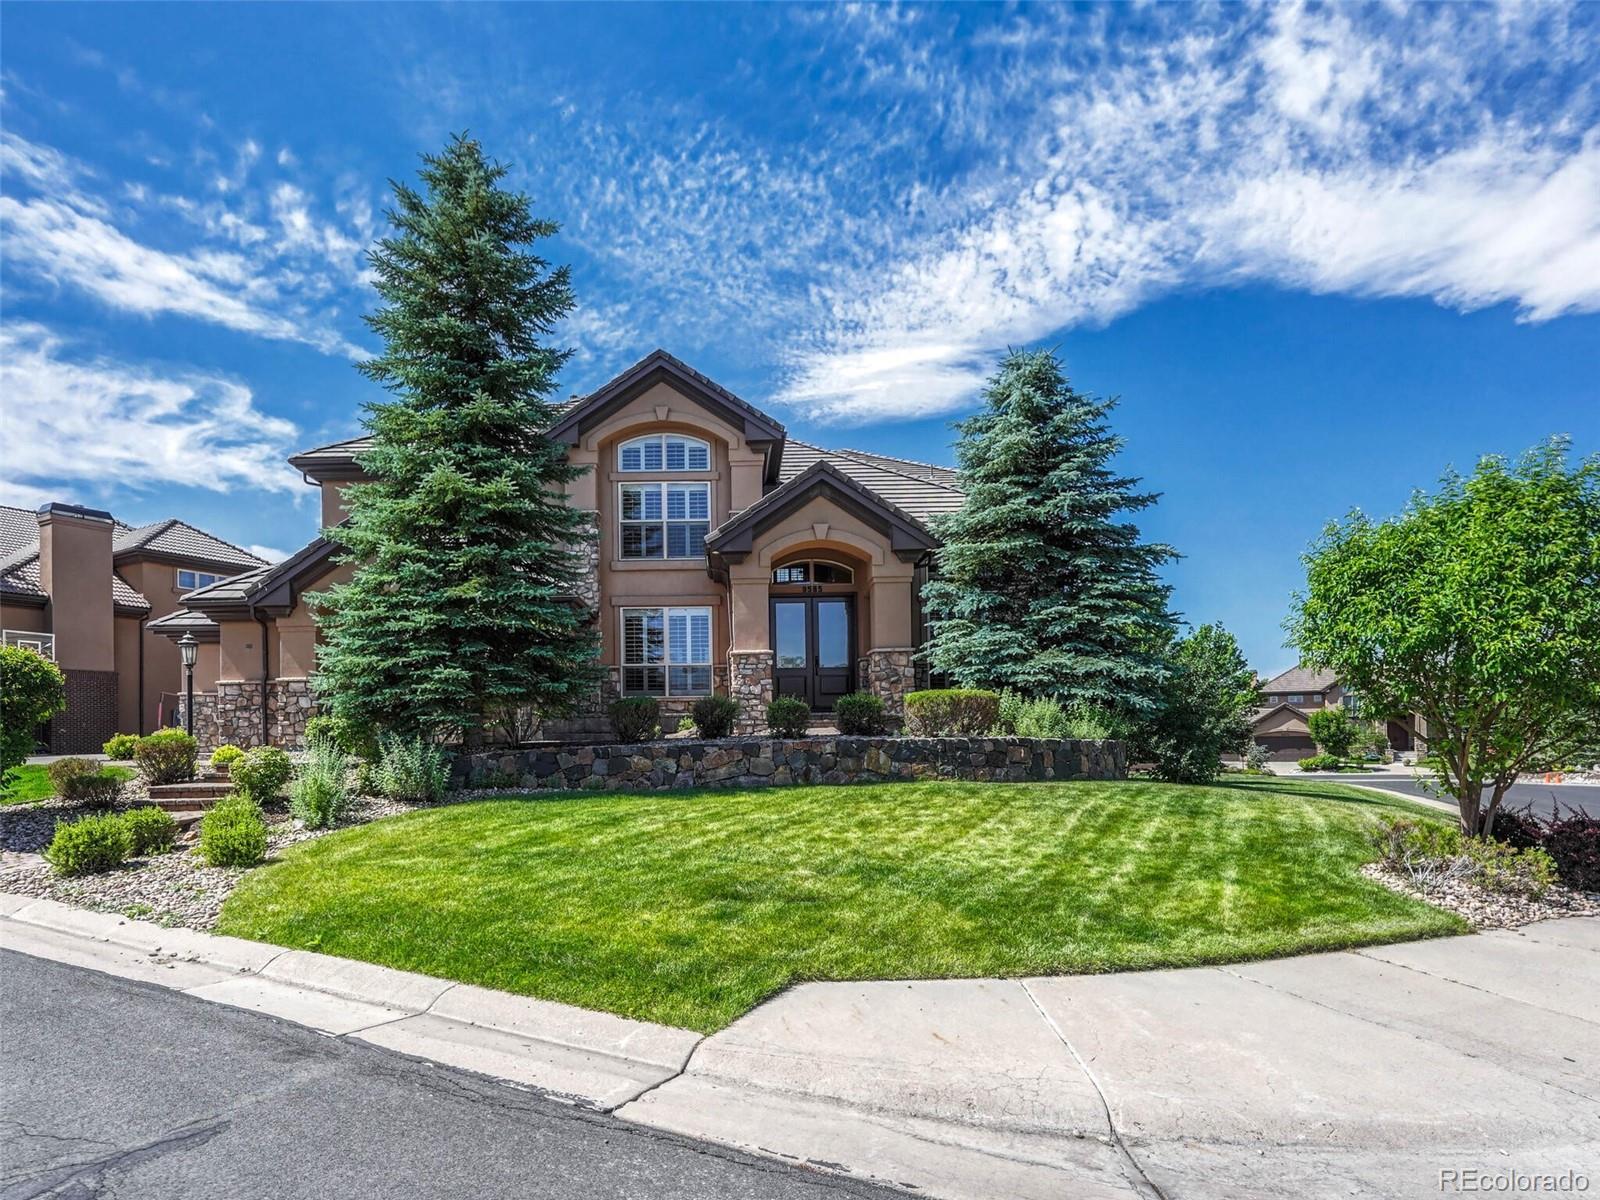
pixel 664 452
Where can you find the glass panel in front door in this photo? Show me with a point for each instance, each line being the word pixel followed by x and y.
pixel 833 635
pixel 789 635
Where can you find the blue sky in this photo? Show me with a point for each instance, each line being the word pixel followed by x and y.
pixel 1320 253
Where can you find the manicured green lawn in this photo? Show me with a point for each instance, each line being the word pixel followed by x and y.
pixel 690 908
pixel 29 783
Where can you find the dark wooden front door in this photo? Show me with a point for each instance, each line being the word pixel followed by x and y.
pixel 813 641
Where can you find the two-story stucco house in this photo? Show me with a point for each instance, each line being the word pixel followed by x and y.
pixel 1282 725
pixel 83 589
pixel 730 559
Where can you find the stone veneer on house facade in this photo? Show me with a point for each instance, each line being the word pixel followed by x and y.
pixel 889 674
pixel 750 685
pixel 740 762
pixel 232 714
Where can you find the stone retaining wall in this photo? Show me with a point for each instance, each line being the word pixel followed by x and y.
pixel 743 762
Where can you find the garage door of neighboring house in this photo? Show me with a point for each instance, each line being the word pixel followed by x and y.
pixel 1287 747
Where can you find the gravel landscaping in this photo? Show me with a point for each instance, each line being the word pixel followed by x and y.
pixel 176 888
pixel 1485 909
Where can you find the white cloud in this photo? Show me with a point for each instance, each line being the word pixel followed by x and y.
pixel 271 553
pixel 91 424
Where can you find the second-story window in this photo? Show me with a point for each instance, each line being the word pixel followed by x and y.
pixel 665 520
pixel 190 580
pixel 664 452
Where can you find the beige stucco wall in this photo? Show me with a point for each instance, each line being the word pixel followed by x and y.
pixel 75 569
pixel 333 510
pixel 24 617
pixel 1282 721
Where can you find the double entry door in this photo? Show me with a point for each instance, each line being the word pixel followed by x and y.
pixel 813 641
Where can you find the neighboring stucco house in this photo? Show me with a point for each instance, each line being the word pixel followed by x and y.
pixel 1281 724
pixel 81 587
pixel 730 559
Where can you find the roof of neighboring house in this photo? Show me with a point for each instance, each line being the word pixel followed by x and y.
pixel 1300 679
pixel 1257 715
pixel 170 539
pixel 918 489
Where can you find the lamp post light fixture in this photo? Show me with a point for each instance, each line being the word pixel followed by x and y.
pixel 188 647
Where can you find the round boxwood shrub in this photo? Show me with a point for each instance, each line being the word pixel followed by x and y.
pixel 952 712
pixel 1320 762
pixel 224 756
pixel 89 845
pixel 150 831
pixel 788 716
pixel 167 756
pixel 714 716
pixel 32 690
pixel 262 773
pixel 121 745
pixel 636 719
pixel 860 714
pixel 233 833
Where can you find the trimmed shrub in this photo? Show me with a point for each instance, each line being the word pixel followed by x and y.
pixel 64 770
pixel 788 716
pixel 150 831
pixel 411 769
pixel 636 719
pixel 32 690
pixel 1320 762
pixel 233 833
pixel 262 773
pixel 320 792
pixel 95 789
pixel 224 756
pixel 1573 843
pixel 714 716
pixel 860 714
pixel 88 846
pixel 121 745
pixel 951 712
pixel 167 756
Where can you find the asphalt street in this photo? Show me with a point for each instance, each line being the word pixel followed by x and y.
pixel 113 1087
pixel 1541 797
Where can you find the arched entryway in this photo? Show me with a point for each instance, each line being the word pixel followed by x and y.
pixel 816 613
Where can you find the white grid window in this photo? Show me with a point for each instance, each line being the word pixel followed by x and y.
pixel 666 651
pixel 190 580
pixel 664 452
pixel 664 520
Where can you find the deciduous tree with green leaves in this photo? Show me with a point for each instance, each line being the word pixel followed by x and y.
pixel 462 602
pixel 1041 585
pixel 1204 709
pixel 1477 607
pixel 32 690
pixel 1333 731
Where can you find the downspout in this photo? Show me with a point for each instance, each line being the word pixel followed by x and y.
pixel 140 705
pixel 266 723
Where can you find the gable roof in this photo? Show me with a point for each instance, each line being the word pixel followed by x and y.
pixel 271 589
pixel 1300 679
pixel 735 537
pixel 177 539
pixel 918 489
pixel 1259 715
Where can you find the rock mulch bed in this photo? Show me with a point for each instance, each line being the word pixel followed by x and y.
pixel 1485 909
pixel 176 888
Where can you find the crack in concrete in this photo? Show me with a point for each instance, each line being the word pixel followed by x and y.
pixel 1132 1168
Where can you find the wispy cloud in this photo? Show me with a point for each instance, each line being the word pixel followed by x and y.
pixel 237 273
pixel 91 425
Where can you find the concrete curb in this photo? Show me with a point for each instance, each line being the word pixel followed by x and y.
pixel 594 1059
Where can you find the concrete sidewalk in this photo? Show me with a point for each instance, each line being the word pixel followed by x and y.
pixel 1364 1073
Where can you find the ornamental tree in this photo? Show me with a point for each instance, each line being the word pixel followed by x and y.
pixel 1333 731
pixel 32 690
pixel 463 599
pixel 1040 585
pixel 1204 708
pixel 1478 607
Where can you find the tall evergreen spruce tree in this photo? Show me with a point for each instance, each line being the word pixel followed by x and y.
pixel 1038 586
pixel 461 604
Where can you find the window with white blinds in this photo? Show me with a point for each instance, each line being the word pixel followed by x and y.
pixel 664 452
pixel 666 651
pixel 664 520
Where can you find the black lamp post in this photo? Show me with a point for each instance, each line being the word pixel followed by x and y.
pixel 188 647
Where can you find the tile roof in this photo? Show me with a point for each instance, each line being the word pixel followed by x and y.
pixel 340 452
pixel 237 587
pixel 19 553
pixel 1300 679
pixel 921 490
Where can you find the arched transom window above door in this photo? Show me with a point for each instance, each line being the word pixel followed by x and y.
pixel 813 570
pixel 664 452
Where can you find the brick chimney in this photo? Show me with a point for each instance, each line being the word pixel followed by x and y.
pixel 75 572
